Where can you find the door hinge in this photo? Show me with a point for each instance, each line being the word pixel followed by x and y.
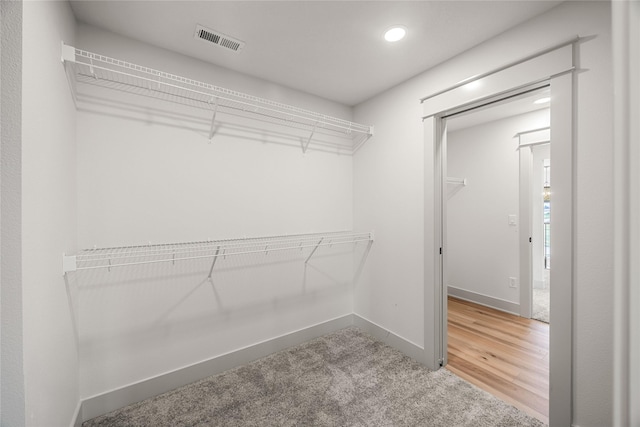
pixel 529 239
pixel 440 251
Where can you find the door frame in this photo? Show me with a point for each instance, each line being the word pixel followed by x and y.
pixel 553 67
pixel 626 129
pixel 525 212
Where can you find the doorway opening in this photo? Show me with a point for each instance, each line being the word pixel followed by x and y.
pixel 491 340
pixel 552 67
pixel 541 233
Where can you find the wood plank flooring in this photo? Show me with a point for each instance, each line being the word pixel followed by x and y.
pixel 504 354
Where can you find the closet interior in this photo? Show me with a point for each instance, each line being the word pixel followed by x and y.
pixel 142 311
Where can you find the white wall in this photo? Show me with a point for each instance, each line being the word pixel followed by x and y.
pixel 389 194
pixel 11 340
pixel 147 172
pixel 482 247
pixel 389 198
pixel 48 216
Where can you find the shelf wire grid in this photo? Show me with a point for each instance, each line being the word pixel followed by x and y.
pixel 99 258
pixel 96 69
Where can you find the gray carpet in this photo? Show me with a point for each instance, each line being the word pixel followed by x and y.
pixel 541 305
pixel 346 378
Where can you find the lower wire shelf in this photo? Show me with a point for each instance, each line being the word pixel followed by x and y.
pixel 101 258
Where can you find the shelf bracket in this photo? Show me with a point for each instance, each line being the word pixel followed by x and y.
pixel 155 84
pixel 68 264
pixel 68 53
pixel 305 146
pixel 314 250
pixel 363 139
pixel 91 70
pixel 213 264
pixel 213 121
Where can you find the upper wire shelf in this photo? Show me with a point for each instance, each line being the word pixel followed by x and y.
pixel 100 258
pixel 113 73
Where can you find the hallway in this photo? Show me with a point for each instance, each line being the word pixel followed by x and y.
pixel 504 354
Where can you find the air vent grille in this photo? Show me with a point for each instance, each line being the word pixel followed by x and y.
pixel 219 39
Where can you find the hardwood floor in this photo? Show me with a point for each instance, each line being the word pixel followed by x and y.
pixel 504 354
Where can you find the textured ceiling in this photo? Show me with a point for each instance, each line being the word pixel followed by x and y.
pixel 333 49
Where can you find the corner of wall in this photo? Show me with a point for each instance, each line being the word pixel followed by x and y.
pixel 49 223
pixel 12 393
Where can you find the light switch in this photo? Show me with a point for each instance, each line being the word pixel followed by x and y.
pixel 513 220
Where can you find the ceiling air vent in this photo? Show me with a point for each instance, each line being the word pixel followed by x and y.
pixel 217 38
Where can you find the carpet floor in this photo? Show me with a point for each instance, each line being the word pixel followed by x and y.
pixel 346 378
pixel 541 300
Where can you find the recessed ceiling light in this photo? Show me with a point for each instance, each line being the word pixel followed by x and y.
pixel 395 33
pixel 542 101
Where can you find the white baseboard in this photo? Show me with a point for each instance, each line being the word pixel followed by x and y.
pixel 76 421
pixel 401 344
pixel 115 399
pixel 486 300
pixel 109 401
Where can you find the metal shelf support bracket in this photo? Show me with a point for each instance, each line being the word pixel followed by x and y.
pixel 213 264
pixel 314 250
pixel 305 146
pixel 68 53
pixel 68 264
pixel 213 121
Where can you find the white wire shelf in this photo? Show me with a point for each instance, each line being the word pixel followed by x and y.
pixel 95 69
pixel 101 258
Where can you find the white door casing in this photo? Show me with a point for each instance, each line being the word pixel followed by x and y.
pixel 553 67
pixel 527 142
